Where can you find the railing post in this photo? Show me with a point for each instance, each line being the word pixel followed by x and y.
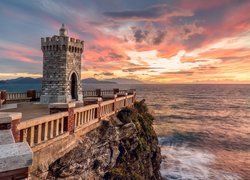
pixel 132 92
pixel 134 97
pixel 99 109
pixel 116 91
pixel 31 94
pixel 1 100
pixel 126 99
pixel 3 95
pixel 98 92
pixel 69 123
pixel 115 103
pixel 94 100
pixel 10 121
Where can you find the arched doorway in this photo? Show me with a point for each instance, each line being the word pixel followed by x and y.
pixel 73 81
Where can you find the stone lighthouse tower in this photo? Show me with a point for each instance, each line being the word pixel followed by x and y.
pixel 61 68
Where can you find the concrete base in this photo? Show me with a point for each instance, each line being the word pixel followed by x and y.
pixel 62 105
pixel 8 106
pixel 15 156
pixel 46 99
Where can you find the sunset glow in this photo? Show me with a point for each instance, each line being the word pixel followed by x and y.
pixel 155 41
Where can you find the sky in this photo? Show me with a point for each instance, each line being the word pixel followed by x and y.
pixel 155 41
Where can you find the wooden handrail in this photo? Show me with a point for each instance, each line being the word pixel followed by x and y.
pixel 41 120
pixel 85 108
pixel 39 130
pixel 83 115
pixel 107 102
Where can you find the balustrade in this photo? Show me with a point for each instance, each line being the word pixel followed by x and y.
pixel 130 100
pixel 107 108
pixel 85 114
pixel 42 129
pixel 17 96
pixel 120 103
pixel 88 93
pixel 38 130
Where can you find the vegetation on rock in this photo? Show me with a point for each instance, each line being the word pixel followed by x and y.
pixel 125 147
pixel 140 161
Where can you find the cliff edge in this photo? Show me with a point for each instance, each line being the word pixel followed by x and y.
pixel 123 147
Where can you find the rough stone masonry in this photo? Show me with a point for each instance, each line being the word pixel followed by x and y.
pixel 61 68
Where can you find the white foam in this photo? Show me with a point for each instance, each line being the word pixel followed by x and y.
pixel 188 163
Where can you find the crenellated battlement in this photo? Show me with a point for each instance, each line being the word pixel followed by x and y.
pixel 65 43
pixel 61 39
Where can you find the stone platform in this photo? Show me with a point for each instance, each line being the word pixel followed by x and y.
pixel 29 110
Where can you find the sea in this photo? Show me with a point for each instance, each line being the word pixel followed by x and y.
pixel 203 130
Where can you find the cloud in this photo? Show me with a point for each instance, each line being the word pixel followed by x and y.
pixel 140 35
pixel 101 59
pixel 141 69
pixel 153 13
pixel 189 30
pixel 149 35
pixel 115 56
pixel 160 35
pixel 104 74
pixel 210 32
pixel 186 73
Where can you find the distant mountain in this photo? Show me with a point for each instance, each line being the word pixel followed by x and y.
pixel 124 81
pixel 95 81
pixel 22 80
pixel 28 80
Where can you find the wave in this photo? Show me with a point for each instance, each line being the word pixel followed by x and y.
pixel 185 163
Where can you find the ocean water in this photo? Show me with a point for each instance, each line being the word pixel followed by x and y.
pixel 203 130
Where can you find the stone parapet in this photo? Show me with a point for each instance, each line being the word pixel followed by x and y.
pixel 62 107
pixel 9 120
pixel 109 96
pixel 15 156
pixel 91 100
pixel 6 137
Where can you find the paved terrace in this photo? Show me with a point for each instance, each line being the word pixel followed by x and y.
pixel 29 110
pixel 20 102
pixel 52 130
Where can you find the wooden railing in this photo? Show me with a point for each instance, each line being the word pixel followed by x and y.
pixel 17 96
pixel 120 102
pixel 130 100
pixel 83 115
pixel 107 108
pixel 35 95
pixel 38 94
pixel 106 92
pixel 38 130
pixel 89 93
pixel 1 99
pixel 99 92
pixel 45 128
pixel 123 91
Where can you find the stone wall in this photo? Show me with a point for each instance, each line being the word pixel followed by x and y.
pixel 121 148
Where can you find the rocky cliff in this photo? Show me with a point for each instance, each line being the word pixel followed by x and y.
pixel 123 147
